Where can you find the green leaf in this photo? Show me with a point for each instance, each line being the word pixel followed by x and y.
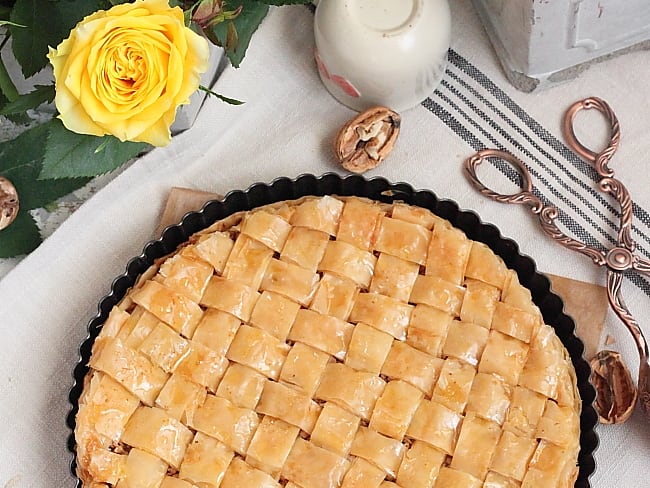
pixel 71 155
pixel 245 25
pixel 3 100
pixel 21 237
pixel 5 11
pixel 18 119
pixel 7 86
pixel 48 23
pixel 42 94
pixel 9 94
pixel 21 162
pixel 26 149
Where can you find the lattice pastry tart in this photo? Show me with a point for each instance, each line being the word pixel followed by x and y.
pixel 329 342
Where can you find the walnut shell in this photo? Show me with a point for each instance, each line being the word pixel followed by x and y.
pixel 367 139
pixel 616 393
pixel 9 204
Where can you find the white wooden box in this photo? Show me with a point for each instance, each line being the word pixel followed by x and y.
pixel 542 42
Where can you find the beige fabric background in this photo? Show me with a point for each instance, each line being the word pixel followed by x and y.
pixel 285 129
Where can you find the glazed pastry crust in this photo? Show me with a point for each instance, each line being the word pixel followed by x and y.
pixel 329 342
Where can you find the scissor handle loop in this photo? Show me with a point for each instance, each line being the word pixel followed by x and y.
pixel 546 214
pixel 525 196
pixel 608 183
pixel 600 160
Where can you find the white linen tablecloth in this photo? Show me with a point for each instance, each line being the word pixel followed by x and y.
pixel 286 128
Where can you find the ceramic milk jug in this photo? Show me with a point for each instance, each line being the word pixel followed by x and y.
pixel 381 52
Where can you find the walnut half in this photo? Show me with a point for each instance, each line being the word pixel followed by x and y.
pixel 365 141
pixel 615 391
pixel 8 203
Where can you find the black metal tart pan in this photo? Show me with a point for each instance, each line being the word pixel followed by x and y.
pixel 382 190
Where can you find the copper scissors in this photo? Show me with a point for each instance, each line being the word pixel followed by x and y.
pixel 613 405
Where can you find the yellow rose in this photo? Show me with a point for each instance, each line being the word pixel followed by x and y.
pixel 124 71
